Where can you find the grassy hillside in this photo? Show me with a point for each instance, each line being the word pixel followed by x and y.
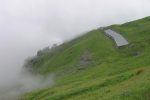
pixel 92 68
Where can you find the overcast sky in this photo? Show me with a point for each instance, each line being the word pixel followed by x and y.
pixel 29 25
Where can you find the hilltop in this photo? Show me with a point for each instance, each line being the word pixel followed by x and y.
pixel 90 67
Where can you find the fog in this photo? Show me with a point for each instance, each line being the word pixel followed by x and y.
pixel 29 25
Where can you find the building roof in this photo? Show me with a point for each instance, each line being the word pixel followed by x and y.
pixel 118 38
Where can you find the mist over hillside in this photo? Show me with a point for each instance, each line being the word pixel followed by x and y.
pixel 27 26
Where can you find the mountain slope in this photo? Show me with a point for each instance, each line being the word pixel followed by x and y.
pixel 92 68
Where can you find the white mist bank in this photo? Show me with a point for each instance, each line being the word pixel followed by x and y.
pixel 24 82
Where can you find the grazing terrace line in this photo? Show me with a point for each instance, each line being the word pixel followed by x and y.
pixel 118 38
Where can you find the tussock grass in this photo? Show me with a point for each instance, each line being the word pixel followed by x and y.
pixel 114 74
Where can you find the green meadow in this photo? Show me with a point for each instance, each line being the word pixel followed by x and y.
pixel 91 67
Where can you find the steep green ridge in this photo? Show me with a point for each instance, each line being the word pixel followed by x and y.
pixel 92 68
pixel 69 55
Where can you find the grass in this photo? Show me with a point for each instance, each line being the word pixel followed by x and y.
pixel 111 74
